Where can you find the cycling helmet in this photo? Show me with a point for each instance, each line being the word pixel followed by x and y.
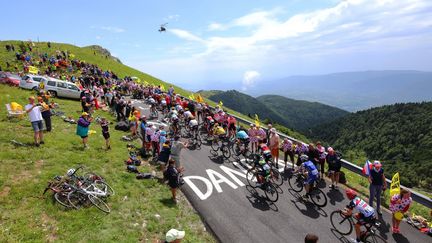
pixel 70 172
pixel 143 117
pixel 163 133
pixel 304 158
pixel 351 194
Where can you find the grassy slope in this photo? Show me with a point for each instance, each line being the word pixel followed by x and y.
pixel 26 215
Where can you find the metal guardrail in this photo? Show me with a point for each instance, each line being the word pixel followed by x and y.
pixel 417 197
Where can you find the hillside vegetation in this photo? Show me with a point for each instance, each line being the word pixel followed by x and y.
pixel 297 115
pixel 400 135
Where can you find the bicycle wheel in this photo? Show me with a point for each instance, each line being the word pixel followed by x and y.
pixel 373 238
pixel 77 198
pixel 215 145
pixel 99 203
pixel 104 187
pixel 296 182
pixel 276 177
pixel 318 197
pixel 236 149
pixel 226 153
pixel 251 177
pixel 271 192
pixel 62 199
pixel 341 223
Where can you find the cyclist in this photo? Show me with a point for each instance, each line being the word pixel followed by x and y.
pixel 311 171
pixel 265 151
pixel 218 130
pixel 243 137
pixel 263 171
pixel 193 124
pixel 366 213
pixel 231 125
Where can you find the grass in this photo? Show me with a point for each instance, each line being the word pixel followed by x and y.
pixel 28 216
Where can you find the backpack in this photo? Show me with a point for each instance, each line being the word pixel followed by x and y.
pixel 122 126
pixel 342 178
pixel 132 169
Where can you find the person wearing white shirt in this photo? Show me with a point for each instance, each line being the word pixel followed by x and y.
pixel 35 115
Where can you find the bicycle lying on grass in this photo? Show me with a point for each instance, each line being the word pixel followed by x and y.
pixel 76 191
pixel 344 225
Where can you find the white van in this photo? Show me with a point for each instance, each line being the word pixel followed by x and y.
pixel 60 88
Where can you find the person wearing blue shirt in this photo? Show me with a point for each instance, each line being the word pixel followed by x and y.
pixel 312 173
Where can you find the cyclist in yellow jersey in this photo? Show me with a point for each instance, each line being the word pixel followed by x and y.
pixel 218 130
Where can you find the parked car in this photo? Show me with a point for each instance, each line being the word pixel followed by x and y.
pixel 30 81
pixel 10 78
pixel 60 88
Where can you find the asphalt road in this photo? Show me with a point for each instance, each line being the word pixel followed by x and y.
pixel 235 212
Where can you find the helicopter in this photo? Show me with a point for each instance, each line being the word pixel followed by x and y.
pixel 162 28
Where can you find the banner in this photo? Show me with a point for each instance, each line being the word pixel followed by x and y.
pixel 33 70
pixel 257 121
pixel 395 185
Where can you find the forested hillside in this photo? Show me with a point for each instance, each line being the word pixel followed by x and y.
pixel 400 135
pixel 299 114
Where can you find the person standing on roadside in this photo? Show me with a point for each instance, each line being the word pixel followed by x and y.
pixel 172 176
pixel 377 182
pixel 287 148
pixel 334 164
pixel 46 113
pixel 321 157
pixel 176 148
pixel 35 115
pixel 274 146
pixel 83 128
pixel 399 204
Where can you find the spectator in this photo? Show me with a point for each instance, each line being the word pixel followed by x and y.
pixel 176 148
pixel 35 115
pixel 172 176
pixel 83 127
pixel 287 148
pixel 399 204
pixel 262 135
pixel 252 132
pixel 105 132
pixel 311 238
pixel 164 155
pixel 321 157
pixel 377 184
pixel 46 113
pixel 274 146
pixel 174 236
pixel 269 127
pixel 334 164
pixel 133 122
pixel 312 152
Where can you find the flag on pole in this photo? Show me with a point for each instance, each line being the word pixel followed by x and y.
pixel 199 98
pixel 257 121
pixel 33 70
pixel 71 55
pixel 395 185
pixel 366 168
pixel 191 97
pixel 162 87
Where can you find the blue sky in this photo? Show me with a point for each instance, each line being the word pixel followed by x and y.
pixel 235 44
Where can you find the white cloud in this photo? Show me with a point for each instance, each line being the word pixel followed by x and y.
pixel 112 29
pixel 186 35
pixel 216 26
pixel 249 79
pixel 173 17
pixel 98 37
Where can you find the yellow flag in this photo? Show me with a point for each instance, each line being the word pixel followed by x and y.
pixel 192 96
pixel 33 69
pixel 162 87
pixel 257 121
pixel 395 185
pixel 71 55
pixel 145 83
pixel 199 98
pixel 220 103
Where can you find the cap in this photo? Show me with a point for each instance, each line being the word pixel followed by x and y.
pixel 174 234
pixel 84 114
pixel 330 149
pixel 377 164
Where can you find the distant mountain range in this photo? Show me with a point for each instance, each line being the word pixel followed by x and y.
pixel 353 91
pixel 298 115
pixel 400 135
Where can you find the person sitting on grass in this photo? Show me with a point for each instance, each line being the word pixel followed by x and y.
pixel 172 176
pixel 83 128
pixel 105 132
